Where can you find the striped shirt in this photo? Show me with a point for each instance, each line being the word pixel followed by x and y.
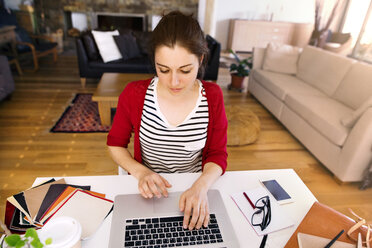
pixel 169 149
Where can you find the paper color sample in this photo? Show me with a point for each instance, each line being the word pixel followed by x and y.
pixel 42 183
pixel 61 199
pixel 311 241
pixel 88 209
pixel 16 224
pixel 10 219
pixel 279 220
pixel 19 202
pixel 34 197
pixel 23 220
pixel 53 193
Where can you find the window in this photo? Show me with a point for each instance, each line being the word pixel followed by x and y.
pixel 358 22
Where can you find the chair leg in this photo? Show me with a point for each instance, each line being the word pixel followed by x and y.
pixel 18 67
pixel 36 63
pixel 83 82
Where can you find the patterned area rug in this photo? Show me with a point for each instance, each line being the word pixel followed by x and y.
pixel 80 117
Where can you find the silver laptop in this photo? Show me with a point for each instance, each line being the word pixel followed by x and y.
pixel 153 223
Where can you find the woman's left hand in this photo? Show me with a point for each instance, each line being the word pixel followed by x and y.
pixel 194 203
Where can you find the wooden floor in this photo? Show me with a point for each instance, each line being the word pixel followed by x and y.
pixel 29 150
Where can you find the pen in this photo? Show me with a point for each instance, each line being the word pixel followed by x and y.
pixel 263 242
pixel 334 239
pixel 249 200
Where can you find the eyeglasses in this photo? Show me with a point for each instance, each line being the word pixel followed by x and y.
pixel 262 217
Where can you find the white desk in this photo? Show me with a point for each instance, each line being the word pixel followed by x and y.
pixel 229 183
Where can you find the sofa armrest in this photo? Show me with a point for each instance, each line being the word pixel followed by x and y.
pixel 258 57
pixel 211 72
pixel 82 57
pixel 357 150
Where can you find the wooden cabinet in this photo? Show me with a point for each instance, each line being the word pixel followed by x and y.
pixel 245 34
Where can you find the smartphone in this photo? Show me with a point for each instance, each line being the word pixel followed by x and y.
pixel 277 191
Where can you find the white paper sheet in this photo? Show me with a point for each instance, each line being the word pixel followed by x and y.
pixel 88 209
pixel 279 220
pixel 311 241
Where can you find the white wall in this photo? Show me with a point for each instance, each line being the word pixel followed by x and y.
pixel 201 12
pixel 301 11
pixel 79 21
pixel 12 4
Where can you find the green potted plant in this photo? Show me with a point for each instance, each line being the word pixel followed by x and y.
pixel 29 240
pixel 239 71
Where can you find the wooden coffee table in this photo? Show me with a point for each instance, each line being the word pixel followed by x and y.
pixel 108 90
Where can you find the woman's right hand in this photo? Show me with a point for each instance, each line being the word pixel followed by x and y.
pixel 151 183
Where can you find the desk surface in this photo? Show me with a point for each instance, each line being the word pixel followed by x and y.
pixel 229 183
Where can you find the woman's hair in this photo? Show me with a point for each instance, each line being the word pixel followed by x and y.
pixel 183 30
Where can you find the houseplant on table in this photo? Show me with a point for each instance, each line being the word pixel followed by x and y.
pixel 29 240
pixel 239 71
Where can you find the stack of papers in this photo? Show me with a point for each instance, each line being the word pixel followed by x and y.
pixel 279 220
pixel 34 207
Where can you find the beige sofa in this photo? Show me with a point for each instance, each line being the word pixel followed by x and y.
pixel 320 104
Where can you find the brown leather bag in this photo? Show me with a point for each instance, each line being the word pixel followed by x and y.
pixel 326 222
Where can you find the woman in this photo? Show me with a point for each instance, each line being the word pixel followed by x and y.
pixel 179 122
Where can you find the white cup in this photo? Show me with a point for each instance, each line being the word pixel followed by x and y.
pixel 64 231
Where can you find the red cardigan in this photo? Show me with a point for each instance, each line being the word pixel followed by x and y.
pixel 129 112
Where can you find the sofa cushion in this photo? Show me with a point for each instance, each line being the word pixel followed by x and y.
pixel 90 46
pixel 356 87
pixel 281 84
pixel 143 41
pixel 106 45
pixel 322 113
pixel 127 46
pixel 281 58
pixel 324 70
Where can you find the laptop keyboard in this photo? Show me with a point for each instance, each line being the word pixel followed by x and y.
pixel 169 232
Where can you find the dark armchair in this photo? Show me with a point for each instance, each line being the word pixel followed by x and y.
pixel 27 45
pixel 91 64
pixel 37 46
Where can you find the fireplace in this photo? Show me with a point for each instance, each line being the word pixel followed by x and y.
pixel 112 21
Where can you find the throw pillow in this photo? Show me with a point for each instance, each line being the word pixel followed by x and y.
pixel 281 58
pixel 106 45
pixel 143 41
pixel 351 119
pixel 127 46
pixel 90 46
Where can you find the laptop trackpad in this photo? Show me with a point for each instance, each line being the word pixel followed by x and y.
pixel 166 205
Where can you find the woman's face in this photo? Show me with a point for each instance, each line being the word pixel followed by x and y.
pixel 177 69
